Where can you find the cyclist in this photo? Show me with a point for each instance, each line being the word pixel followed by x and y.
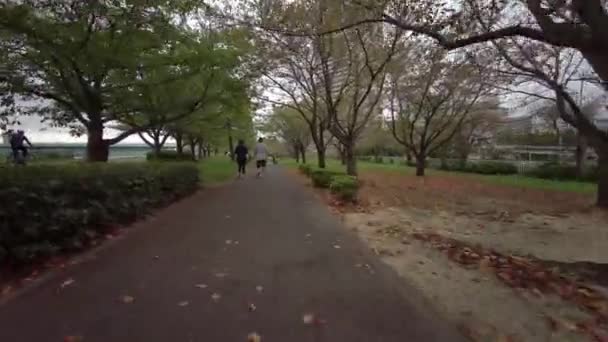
pixel 17 141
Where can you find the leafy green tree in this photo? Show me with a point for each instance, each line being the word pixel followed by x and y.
pixel 83 62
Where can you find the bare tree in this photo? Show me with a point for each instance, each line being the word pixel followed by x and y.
pixel 429 103
pixel 354 75
pixel 477 129
pixel 295 74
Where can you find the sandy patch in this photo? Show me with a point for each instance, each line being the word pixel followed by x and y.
pixel 471 298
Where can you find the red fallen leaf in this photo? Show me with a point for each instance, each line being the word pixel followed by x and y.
pixel 73 339
pixel 254 337
pixel 6 290
pixel 504 338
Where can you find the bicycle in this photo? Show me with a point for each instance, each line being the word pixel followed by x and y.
pixel 20 160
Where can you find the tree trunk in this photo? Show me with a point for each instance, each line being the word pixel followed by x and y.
pixel 98 150
pixel 599 63
pixel 351 161
pixel 342 152
pixel 296 150
pixel 321 158
pixel 201 154
pixel 231 146
pixel 157 149
pixel 581 155
pixel 179 143
pixel 420 165
pixel 602 184
pixel 303 152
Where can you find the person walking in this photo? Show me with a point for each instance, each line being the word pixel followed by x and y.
pixel 261 155
pixel 241 153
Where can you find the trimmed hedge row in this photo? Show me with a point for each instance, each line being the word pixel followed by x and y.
pixel 58 208
pixel 556 171
pixel 168 156
pixel 484 168
pixel 343 186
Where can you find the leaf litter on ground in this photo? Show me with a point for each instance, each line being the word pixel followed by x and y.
pixel 254 337
pixel 127 299
pixel 67 283
pixel 529 273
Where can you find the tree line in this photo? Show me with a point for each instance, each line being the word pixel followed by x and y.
pixel 429 67
pixel 142 67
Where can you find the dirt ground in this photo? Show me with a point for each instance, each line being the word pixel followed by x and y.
pixel 560 232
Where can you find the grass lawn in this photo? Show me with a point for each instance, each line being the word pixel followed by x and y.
pixel 217 170
pixel 507 180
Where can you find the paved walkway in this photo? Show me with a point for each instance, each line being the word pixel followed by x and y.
pixel 269 235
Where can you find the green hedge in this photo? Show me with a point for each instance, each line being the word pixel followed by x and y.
pixel 484 168
pixel 344 186
pixel 556 171
pixel 169 156
pixel 321 178
pixel 305 169
pixel 49 209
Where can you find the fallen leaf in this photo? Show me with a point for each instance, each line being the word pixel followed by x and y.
pixel 6 290
pixel 228 216
pixel 73 339
pixel 184 303
pixel 337 246
pixel 127 299
pixel 504 338
pixel 67 283
pixel 252 307
pixel 156 257
pixel 220 275
pixel 216 297
pixel 308 319
pixel 558 322
pixel 201 286
pixel 229 242
pixel 254 337
pixel 259 288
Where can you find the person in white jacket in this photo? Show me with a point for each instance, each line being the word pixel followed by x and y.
pixel 261 155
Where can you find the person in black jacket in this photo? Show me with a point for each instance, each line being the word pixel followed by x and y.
pixel 241 153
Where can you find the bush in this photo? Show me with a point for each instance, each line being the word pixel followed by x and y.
pixel 558 171
pixel 49 209
pixel 345 187
pixel 378 160
pixel 169 156
pixel 492 168
pixel 53 155
pixel 321 178
pixel 305 169
pixel 364 158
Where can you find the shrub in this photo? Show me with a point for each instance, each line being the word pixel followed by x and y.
pixel 556 171
pixel 321 178
pixel 48 209
pixel 305 169
pixel 345 187
pixel 365 158
pixel 169 156
pixel 378 160
pixel 492 168
pixel 53 155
